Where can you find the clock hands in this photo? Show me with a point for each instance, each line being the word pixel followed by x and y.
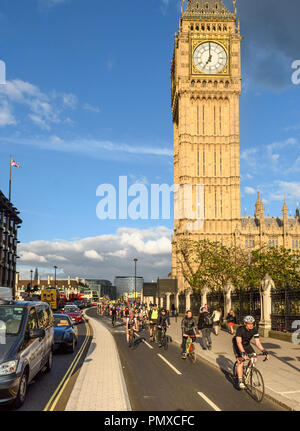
pixel 210 56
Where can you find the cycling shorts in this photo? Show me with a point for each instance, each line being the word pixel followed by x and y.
pixel 248 349
pixel 153 323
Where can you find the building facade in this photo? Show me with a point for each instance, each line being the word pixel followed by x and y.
pixel 102 287
pixel 205 92
pixel 127 285
pixel 9 224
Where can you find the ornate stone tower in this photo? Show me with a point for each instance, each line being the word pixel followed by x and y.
pixel 206 86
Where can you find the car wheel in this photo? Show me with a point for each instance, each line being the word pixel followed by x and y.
pixel 19 401
pixel 49 362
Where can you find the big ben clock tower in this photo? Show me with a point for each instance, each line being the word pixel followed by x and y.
pixel 206 87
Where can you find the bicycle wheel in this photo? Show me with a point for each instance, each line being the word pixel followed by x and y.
pixel 256 385
pixel 165 342
pixel 192 353
pixel 131 339
pixel 234 372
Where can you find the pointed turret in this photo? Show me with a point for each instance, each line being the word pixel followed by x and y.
pixel 208 9
pixel 259 208
pixel 285 210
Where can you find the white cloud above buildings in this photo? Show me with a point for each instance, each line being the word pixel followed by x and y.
pixel 104 256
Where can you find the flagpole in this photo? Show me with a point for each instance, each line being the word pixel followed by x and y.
pixel 10 179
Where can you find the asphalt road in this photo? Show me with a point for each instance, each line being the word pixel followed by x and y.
pixel 156 385
pixel 58 382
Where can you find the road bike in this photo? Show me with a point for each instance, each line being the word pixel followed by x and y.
pixel 190 349
pixel 154 333
pixel 252 378
pixel 145 325
pixel 131 335
pixel 113 320
pixel 165 339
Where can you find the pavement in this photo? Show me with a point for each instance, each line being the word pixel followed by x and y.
pixel 281 373
pixel 100 385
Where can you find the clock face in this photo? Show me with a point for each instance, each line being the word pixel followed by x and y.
pixel 210 57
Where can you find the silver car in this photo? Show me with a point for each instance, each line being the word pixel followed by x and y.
pixel 26 346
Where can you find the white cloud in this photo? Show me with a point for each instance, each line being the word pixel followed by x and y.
pixel 290 189
pixel 6 115
pixel 249 190
pixel 250 156
pixel 44 109
pixel 90 147
pixel 30 257
pixel 104 256
pixel 93 254
pixel 70 100
pixel 88 107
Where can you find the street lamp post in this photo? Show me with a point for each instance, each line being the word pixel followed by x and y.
pixel 135 261
pixel 31 271
pixel 55 268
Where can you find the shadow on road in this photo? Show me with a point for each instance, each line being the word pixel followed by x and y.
pixel 226 366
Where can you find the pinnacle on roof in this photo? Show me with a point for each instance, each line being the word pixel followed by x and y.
pixel 208 9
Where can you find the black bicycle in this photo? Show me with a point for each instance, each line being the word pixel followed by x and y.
pixel 165 339
pixel 131 336
pixel 253 379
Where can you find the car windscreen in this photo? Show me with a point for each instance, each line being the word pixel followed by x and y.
pixel 61 321
pixel 71 310
pixel 11 320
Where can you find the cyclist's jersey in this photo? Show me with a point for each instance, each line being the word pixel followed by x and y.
pixel 245 335
pixel 154 314
pixel 113 311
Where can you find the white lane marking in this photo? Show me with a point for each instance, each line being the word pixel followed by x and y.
pixel 216 408
pixel 170 365
pixel 150 347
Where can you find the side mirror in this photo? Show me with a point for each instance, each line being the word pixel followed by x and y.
pixel 37 333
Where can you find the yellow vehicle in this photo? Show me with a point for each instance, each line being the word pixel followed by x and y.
pixel 52 297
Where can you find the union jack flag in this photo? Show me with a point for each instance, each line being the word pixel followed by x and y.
pixel 13 163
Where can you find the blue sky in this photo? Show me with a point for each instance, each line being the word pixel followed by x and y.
pixel 87 99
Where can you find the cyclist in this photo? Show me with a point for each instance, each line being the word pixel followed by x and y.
pixel 153 316
pixel 144 315
pixel 113 313
pixel 162 322
pixel 136 318
pixel 188 327
pixel 242 347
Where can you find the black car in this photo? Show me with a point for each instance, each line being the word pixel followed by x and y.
pixel 26 346
pixel 65 333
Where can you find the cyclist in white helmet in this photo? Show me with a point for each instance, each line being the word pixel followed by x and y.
pixel 242 347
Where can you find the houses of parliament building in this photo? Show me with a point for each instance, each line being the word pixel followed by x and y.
pixel 205 91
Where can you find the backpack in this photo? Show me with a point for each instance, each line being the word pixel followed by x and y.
pixel 208 320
